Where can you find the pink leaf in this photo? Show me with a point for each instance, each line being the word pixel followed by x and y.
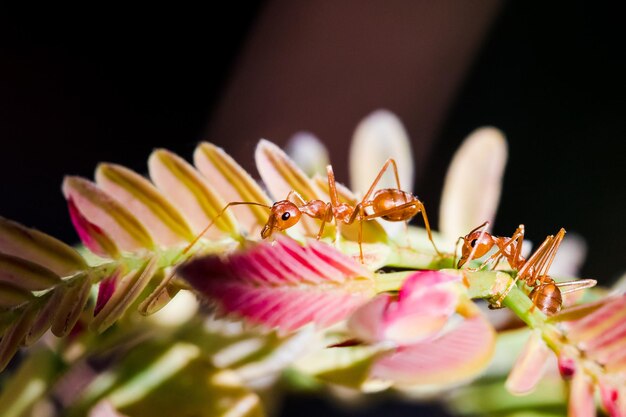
pixel 602 334
pixel 457 356
pixel 283 285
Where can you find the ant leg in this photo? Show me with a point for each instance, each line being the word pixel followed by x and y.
pixel 324 220
pixel 483 229
pixel 294 193
pixel 165 282
pixel 539 261
pixel 456 249
pixel 332 186
pixel 514 259
pixel 386 165
pixel 572 286
pixel 495 258
pixel 427 225
pixel 417 204
pixel 358 213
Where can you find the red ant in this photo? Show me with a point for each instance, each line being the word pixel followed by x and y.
pixel 546 293
pixel 391 204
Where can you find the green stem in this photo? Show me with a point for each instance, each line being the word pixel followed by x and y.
pixel 391 281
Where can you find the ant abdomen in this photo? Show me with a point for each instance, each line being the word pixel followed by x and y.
pixel 547 298
pixel 389 199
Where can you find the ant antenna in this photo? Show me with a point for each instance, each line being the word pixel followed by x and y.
pixel 163 284
pixel 206 229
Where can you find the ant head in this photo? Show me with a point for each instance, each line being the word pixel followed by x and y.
pixel 476 244
pixel 284 215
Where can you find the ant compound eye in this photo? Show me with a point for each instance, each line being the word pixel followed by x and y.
pixel 286 215
pixel 473 242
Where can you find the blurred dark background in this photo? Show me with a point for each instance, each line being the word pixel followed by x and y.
pixel 82 86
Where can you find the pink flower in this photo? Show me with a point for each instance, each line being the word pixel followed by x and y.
pixel 438 336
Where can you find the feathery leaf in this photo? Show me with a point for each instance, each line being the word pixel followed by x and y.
pixel 39 248
pixel 283 285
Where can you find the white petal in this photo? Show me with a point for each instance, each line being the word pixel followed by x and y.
pixel 570 256
pixel 308 152
pixel 378 137
pixel 472 187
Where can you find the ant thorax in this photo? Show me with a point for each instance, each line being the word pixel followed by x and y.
pixel 316 209
pixel 342 212
pixel 510 252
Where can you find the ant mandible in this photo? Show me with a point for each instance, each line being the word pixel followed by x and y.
pixel 546 293
pixel 391 204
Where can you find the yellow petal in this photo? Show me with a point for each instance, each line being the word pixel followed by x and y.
pixel 137 194
pixel 191 193
pixel 109 215
pixel 233 183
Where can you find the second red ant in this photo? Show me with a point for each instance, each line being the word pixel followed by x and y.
pixel 546 293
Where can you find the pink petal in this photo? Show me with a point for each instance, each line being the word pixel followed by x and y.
pixel 112 218
pixel 105 291
pixel 422 281
pixel 581 402
pixel 456 356
pixel 92 236
pixel 530 365
pixel 366 322
pixel 611 400
pixel 423 307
